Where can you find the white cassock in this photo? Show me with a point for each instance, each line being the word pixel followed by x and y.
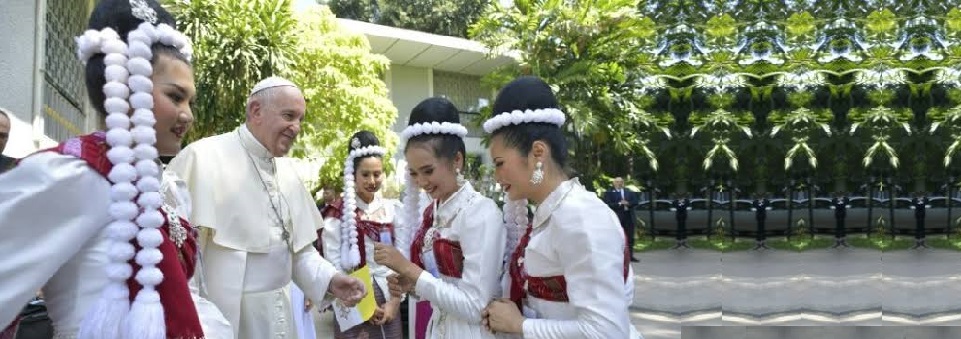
pixel 54 215
pixel 476 223
pixel 246 202
pixel 577 236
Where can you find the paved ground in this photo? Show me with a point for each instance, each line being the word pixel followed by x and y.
pixel 779 288
pixel 780 294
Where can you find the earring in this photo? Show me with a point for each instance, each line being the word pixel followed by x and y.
pixel 538 176
pixel 460 178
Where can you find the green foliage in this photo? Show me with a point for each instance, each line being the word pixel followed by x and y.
pixel 345 91
pixel 671 89
pixel 236 44
pixel 446 17
pixel 239 42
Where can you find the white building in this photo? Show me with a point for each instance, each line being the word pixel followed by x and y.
pixel 426 65
pixel 42 80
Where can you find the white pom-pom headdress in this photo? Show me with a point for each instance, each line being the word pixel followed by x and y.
pixel 541 115
pixel 350 253
pixel 135 175
pixel 431 128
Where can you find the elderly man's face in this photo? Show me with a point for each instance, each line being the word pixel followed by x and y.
pixel 4 131
pixel 618 183
pixel 276 121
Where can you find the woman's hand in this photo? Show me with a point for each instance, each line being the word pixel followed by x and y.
pixel 502 316
pixel 386 313
pixel 388 256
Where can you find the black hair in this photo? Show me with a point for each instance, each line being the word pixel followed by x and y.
pixel 366 138
pixel 524 93
pixel 437 109
pixel 118 15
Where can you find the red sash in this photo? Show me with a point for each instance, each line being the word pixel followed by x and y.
pixel 177 265
pixel 553 288
pixel 368 228
pixel 447 253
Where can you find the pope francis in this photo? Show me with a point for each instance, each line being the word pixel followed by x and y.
pixel 257 221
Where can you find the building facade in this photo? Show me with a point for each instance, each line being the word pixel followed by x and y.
pixel 43 80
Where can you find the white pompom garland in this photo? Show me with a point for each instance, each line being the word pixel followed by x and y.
pixel 516 223
pixel 108 316
pixel 431 128
pixel 410 217
pixel 127 72
pixel 541 115
pixel 350 252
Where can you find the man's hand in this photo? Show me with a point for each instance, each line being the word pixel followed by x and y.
pixel 307 305
pixel 348 289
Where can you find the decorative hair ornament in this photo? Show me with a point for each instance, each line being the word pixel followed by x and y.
pixel 141 10
pixel 348 224
pixel 135 175
pixel 541 115
pixel 431 128
pixel 92 42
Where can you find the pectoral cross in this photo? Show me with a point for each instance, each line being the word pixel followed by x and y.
pixel 286 235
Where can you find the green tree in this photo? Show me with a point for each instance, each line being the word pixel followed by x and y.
pixel 587 50
pixel 344 88
pixel 236 43
pixel 239 42
pixel 447 17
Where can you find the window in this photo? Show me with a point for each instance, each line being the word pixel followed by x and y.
pixel 465 92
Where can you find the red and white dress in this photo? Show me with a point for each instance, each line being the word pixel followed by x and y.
pixel 54 208
pixel 465 236
pixel 570 273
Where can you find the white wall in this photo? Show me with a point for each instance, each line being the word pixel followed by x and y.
pixel 408 86
pixel 18 65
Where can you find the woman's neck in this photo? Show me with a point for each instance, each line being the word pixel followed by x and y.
pixel 546 187
pixel 365 196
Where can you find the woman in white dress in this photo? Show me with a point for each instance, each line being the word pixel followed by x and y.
pixel 349 237
pixel 568 272
pixel 96 202
pixel 457 250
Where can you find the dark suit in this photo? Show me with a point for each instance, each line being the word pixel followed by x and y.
pixel 6 163
pixel 919 205
pixel 681 207
pixel 840 212
pixel 625 214
pixel 760 213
